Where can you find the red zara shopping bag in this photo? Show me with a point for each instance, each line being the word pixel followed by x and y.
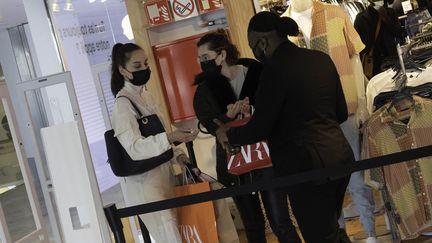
pixel 251 156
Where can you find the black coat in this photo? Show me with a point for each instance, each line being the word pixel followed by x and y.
pixel 390 33
pixel 299 106
pixel 214 93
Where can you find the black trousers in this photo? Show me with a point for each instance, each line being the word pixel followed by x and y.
pixel 317 210
pixel 276 208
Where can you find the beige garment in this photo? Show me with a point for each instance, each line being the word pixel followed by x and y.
pixel 156 184
pixel 227 232
pixel 126 128
pixel 407 186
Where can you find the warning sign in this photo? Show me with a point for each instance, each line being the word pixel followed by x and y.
pixel 158 12
pixel 183 9
pixel 209 5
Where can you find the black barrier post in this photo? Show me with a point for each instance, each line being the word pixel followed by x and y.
pixel 115 223
pixel 144 231
pixel 191 152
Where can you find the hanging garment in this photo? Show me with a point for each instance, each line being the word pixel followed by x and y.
pixel 333 33
pixel 384 45
pixel 383 82
pixel 407 186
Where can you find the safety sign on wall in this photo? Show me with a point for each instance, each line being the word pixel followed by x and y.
pixel 158 12
pixel 209 5
pixel 183 9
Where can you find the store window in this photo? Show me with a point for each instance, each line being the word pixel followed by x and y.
pixel 86 31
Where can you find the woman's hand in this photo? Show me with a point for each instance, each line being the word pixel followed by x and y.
pixel 240 106
pixel 183 136
pixel 183 159
pixel 246 108
pixel 221 133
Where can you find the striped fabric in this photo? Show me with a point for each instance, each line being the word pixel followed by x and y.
pixel 333 33
pixel 408 186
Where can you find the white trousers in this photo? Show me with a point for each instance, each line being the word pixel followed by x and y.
pixel 155 185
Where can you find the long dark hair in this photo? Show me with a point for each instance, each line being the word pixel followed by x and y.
pixel 219 41
pixel 121 54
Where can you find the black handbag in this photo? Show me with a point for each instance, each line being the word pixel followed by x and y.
pixel 121 163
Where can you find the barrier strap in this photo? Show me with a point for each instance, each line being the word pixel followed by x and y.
pixel 288 183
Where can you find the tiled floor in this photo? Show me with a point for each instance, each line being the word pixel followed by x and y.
pixel 355 230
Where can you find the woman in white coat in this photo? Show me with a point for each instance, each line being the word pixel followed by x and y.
pixel 130 72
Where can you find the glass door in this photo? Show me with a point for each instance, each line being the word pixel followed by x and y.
pixel 20 212
pixel 51 103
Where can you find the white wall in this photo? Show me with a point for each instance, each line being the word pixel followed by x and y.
pixel 46 53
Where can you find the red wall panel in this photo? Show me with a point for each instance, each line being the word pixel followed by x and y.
pixel 177 65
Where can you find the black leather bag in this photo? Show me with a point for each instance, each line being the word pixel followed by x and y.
pixel 121 163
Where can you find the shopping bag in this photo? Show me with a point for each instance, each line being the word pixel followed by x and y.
pixel 197 222
pixel 251 156
pixel 226 229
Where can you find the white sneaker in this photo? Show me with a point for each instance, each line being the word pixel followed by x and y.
pixel 371 240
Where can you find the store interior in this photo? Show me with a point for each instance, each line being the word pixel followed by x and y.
pixel 55 58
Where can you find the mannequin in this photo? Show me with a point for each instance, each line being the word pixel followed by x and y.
pixel 314 19
pixel 377 4
pixel 305 9
pixel 300 6
pixel 302 14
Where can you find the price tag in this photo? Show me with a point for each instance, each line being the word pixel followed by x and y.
pixel 407 6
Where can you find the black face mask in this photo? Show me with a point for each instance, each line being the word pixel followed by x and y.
pixel 259 54
pixel 210 66
pixel 140 77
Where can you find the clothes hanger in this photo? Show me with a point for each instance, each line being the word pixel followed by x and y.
pixel 403 99
pixel 407 61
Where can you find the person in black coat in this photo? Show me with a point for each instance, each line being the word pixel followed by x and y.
pixel 299 106
pixel 225 86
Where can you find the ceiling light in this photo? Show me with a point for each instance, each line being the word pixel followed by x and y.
pixel 68 6
pixel 102 1
pixel 92 1
pixel 7 188
pixel 127 29
pixel 55 6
